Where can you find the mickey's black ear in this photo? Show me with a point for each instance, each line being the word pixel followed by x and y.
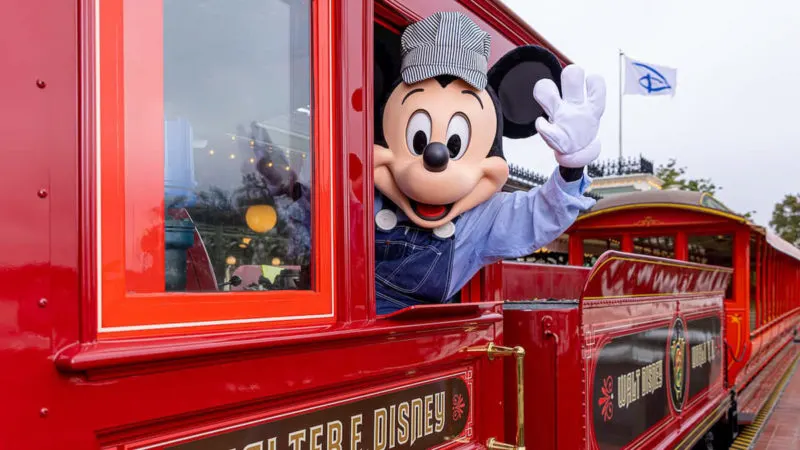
pixel 513 78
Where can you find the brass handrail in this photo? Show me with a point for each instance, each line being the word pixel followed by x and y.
pixel 491 351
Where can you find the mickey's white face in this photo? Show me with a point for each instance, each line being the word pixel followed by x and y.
pixel 436 165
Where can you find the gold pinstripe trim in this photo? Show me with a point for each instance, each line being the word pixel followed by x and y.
pixel 750 433
pixel 664 294
pixel 696 208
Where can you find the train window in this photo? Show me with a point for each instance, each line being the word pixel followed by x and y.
pixel 755 256
pixel 212 208
pixel 556 252
pixel 594 247
pixel 663 246
pixel 247 137
pixel 713 249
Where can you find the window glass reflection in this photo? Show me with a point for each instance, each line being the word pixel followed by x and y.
pixel 661 246
pixel 754 291
pixel 238 160
pixel 715 250
pixel 595 247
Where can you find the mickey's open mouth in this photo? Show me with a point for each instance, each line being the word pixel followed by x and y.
pixel 430 212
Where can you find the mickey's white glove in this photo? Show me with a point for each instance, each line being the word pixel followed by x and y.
pixel 574 120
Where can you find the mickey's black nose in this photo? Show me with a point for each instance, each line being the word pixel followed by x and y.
pixel 435 157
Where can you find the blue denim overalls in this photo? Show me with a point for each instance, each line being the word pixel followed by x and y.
pixel 412 266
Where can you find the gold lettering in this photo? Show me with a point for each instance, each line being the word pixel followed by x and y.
pixel 379 429
pixel 392 425
pixel 255 446
pixel 660 374
pixel 402 421
pixel 638 383
pixel 334 435
pixel 296 439
pixel 355 433
pixel 628 383
pixel 703 353
pixel 648 379
pixel 315 433
pixel 416 420
pixel 440 411
pixel 272 444
pixel 428 415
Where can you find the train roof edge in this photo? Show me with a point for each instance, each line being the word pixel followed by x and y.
pixel 506 10
pixel 698 201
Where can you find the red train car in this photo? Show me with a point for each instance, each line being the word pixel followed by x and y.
pixel 762 304
pixel 165 286
pixel 635 361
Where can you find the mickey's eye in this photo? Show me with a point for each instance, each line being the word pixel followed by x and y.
pixel 458 136
pixel 418 132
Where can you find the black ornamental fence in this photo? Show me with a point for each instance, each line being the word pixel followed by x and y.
pixel 520 178
pixel 621 166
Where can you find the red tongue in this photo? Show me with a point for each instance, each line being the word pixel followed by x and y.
pixel 430 210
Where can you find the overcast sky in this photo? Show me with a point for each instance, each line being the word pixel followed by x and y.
pixel 735 115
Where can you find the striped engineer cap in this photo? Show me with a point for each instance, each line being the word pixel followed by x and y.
pixel 445 43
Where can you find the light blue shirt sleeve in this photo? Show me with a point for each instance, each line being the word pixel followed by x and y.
pixel 511 225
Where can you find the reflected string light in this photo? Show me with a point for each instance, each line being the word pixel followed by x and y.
pixel 245 242
pixel 267 145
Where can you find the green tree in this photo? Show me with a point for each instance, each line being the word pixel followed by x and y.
pixel 786 219
pixel 672 175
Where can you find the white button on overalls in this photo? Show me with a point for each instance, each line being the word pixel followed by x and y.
pixel 386 220
pixel 445 231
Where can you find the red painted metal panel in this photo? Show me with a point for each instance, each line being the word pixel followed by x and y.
pixel 565 343
pixel 553 381
pixel 507 30
pixel 648 218
pixel 356 134
pixel 618 275
pixel 633 301
pixel 526 281
pixel 69 390
pixel 748 350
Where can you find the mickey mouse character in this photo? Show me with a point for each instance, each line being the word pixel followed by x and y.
pixel 439 164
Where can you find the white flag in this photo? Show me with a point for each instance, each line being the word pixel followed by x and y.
pixel 649 79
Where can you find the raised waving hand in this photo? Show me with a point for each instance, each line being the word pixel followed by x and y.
pixel 574 120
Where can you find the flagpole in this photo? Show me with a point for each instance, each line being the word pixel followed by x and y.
pixel 620 103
